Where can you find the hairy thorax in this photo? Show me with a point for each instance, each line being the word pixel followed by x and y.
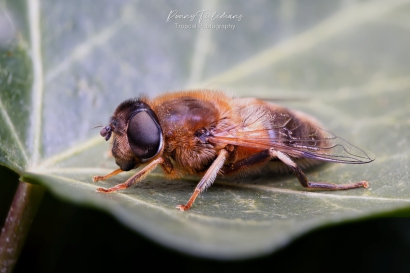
pixel 187 122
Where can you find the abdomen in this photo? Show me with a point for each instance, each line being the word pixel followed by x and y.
pixel 282 126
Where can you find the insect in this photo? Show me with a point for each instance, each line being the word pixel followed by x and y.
pixel 208 133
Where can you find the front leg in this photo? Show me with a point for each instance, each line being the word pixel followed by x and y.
pixel 104 177
pixel 135 178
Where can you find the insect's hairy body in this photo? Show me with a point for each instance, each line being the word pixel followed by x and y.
pixel 190 121
pixel 208 133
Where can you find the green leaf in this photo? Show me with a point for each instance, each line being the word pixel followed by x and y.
pixel 66 65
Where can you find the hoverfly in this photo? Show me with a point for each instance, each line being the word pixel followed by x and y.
pixel 207 133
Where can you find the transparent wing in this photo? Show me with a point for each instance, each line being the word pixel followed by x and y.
pixel 297 139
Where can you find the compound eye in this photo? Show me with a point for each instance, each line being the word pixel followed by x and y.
pixel 144 135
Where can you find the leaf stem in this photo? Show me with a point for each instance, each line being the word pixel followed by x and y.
pixel 21 214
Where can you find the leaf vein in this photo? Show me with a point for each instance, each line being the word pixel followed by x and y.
pixel 13 131
pixel 38 85
pixel 85 48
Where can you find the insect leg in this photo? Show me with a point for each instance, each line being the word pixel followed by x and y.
pixel 99 178
pixel 315 185
pixel 256 159
pixel 169 169
pixel 206 180
pixel 135 178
